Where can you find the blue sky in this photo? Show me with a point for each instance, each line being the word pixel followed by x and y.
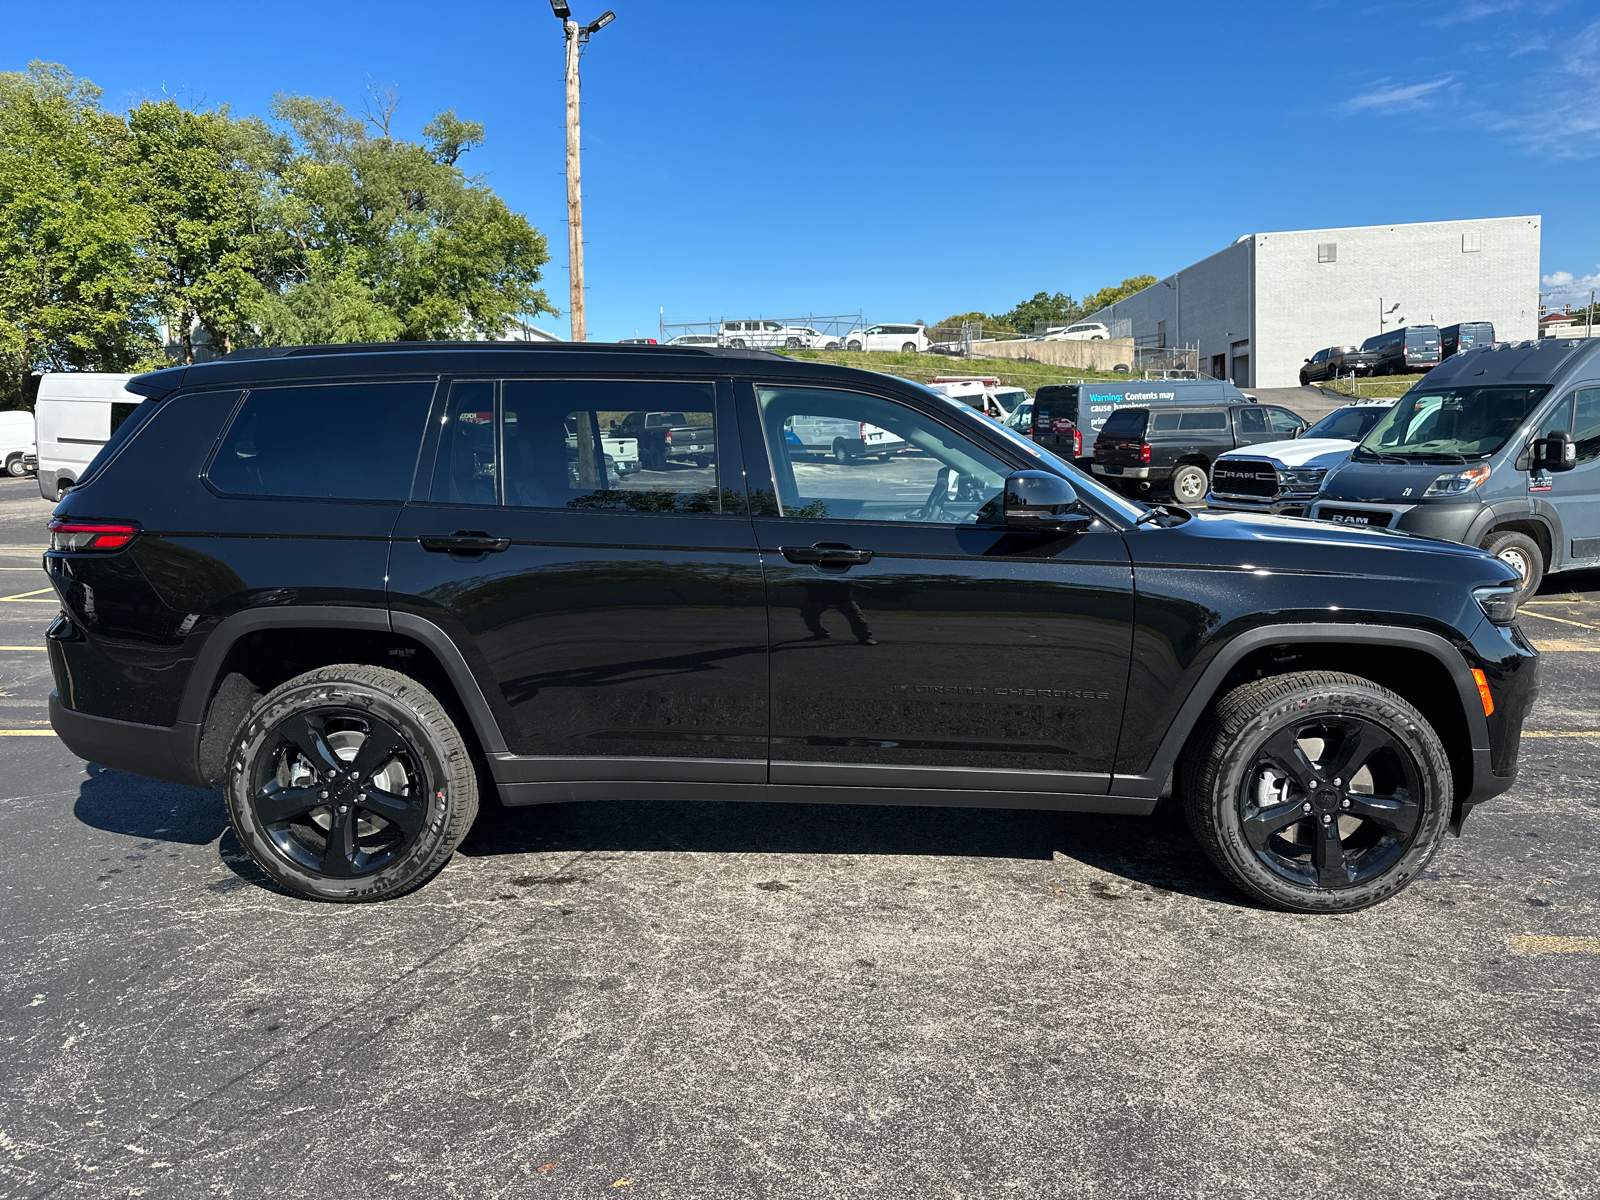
pixel 914 160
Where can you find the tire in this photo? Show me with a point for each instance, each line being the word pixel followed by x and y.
pixel 1522 554
pixel 654 459
pixel 909 348
pixel 1304 381
pixel 737 343
pixel 287 757
pixel 1188 483
pixel 841 455
pixel 852 345
pixel 831 346
pixel 63 486
pixel 1385 830
pixel 792 344
pixel 14 466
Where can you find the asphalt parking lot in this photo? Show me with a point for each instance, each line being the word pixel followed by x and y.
pixel 692 1000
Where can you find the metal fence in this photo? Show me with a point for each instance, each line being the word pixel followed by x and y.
pixel 831 327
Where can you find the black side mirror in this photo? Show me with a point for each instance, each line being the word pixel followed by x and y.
pixel 1557 452
pixel 1043 503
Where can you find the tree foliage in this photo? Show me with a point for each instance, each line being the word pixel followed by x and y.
pixel 1045 309
pixel 1108 296
pixel 317 230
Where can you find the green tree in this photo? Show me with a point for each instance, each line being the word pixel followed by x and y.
pixel 1059 309
pixel 201 178
pixel 950 328
pixel 1108 296
pixel 391 239
pixel 74 291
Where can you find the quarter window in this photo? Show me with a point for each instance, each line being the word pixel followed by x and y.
pixel 341 441
pixel 848 456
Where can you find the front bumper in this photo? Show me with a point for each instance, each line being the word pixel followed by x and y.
pixel 1447 520
pixel 1278 506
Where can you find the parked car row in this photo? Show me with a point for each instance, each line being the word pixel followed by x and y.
pixel 1402 351
pixel 774 335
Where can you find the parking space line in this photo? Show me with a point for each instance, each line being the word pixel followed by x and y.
pixel 1548 733
pixel 21 647
pixel 27 733
pixel 1549 944
pixel 1562 646
pixel 25 595
pixel 1563 620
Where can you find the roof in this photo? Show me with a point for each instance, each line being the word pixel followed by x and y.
pixel 1548 360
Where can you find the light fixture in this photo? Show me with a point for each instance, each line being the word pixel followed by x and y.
pixel 601 21
pixel 559 7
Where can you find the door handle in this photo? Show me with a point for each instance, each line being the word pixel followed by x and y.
pixel 826 554
pixel 465 541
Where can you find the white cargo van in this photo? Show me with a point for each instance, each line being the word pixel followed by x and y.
pixel 76 413
pixel 16 441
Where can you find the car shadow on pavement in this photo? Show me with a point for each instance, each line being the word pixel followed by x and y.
pixel 1157 851
pixel 148 808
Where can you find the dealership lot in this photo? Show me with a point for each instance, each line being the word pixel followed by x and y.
pixel 691 999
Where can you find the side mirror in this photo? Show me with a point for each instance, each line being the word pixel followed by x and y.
pixel 1043 503
pixel 1557 452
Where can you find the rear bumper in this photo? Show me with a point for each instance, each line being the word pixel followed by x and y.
pixel 169 752
pixel 1114 471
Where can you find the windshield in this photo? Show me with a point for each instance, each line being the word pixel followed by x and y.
pixel 1351 424
pixel 1470 422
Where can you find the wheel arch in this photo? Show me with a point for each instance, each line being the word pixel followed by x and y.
pixel 1422 667
pixel 249 653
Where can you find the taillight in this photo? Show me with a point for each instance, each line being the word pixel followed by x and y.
pixel 669 437
pixel 1077 443
pixel 863 431
pixel 104 536
pixel 1144 452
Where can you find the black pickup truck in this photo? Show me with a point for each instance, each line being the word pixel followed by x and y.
pixel 1143 449
pixel 669 437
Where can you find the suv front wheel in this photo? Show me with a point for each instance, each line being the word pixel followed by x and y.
pixel 1317 792
pixel 350 783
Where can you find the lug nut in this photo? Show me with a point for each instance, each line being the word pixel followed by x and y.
pixel 344 808
pixel 1306 807
pixel 1345 803
pixel 363 796
pixel 1326 819
pixel 323 794
pixel 1335 783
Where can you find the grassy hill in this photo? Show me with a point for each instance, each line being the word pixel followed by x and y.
pixel 923 367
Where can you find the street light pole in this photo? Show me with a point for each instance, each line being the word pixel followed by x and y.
pixel 576 35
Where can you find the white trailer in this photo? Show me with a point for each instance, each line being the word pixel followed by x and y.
pixel 76 413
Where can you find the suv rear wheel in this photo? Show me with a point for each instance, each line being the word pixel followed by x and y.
pixel 909 348
pixel 1188 483
pixel 1521 553
pixel 1317 792
pixel 350 783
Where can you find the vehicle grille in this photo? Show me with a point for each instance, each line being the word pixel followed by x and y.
pixel 1249 477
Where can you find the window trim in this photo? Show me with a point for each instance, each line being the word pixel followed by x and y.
pixel 429 433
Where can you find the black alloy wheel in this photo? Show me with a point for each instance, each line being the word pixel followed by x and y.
pixel 1336 820
pixel 350 783
pixel 1317 791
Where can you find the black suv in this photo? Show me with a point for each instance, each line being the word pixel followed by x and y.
pixel 1143 449
pixel 364 587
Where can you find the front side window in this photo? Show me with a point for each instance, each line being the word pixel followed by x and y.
pixel 1450 422
pixel 1252 420
pixel 1284 421
pixel 847 456
pixel 1586 425
pixel 348 441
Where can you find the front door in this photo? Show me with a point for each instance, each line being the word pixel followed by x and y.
pixel 1575 494
pixel 616 621
pixel 915 642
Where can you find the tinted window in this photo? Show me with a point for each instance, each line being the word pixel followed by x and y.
pixel 1251 420
pixel 355 441
pixel 1284 421
pixel 1125 423
pixel 1166 422
pixel 122 429
pixel 466 472
pixel 562 451
pixel 1586 425
pixel 900 464
pixel 1203 420
pixel 1350 424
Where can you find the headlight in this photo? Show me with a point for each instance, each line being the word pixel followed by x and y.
pixel 1499 603
pixel 1301 479
pixel 1458 483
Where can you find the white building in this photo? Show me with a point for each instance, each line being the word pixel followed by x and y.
pixel 1261 307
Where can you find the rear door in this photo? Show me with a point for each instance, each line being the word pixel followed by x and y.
pixel 915 642
pixel 618 632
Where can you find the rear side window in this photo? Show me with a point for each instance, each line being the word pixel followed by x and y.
pixel 1203 420
pixel 126 418
pixel 1167 422
pixel 1128 423
pixel 349 441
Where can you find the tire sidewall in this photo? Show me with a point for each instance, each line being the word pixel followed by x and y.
pixel 1432 767
pixel 1177 475
pixel 442 772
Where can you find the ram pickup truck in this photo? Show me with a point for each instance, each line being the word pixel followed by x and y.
pixel 621 452
pixel 665 437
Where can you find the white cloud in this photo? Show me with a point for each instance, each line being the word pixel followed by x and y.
pixel 1395 97
pixel 1566 288
pixel 1566 122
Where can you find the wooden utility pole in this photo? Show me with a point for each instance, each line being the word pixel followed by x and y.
pixel 574 183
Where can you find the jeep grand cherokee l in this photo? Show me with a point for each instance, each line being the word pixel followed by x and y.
pixel 371 587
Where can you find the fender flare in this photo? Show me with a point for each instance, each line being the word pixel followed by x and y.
pixel 1539 513
pixel 203 678
pixel 1150 781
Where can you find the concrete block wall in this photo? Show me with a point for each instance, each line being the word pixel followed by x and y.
pixel 1103 355
pixel 1302 305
